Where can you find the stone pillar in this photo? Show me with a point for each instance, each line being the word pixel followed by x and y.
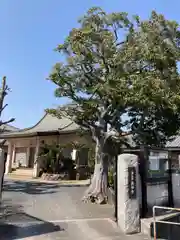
pixel 73 154
pixel 13 156
pixel 36 160
pixel 128 203
pixel 9 159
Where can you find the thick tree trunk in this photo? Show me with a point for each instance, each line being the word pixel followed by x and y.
pixel 97 191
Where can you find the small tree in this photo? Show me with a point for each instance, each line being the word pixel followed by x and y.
pixel 108 79
pixel 3 92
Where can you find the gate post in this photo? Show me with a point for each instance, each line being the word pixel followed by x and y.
pixel 143 171
pixel 170 187
pixel 128 190
pixel 115 189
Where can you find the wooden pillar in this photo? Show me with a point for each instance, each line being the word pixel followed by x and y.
pixel 9 159
pixel 36 160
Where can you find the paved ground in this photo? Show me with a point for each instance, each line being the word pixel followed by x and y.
pixel 33 210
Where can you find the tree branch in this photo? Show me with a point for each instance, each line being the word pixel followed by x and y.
pixel 3 108
pixel 6 122
pixel 3 93
pixel 89 74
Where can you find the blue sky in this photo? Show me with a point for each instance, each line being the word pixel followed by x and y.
pixel 31 29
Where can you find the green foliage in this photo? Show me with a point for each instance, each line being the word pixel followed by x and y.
pixel 152 58
pixel 51 154
pixel 53 159
pixel 122 67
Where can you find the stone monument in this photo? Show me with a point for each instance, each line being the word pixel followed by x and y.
pixel 128 192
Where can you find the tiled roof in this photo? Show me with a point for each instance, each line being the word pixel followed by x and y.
pixel 50 123
pixel 47 124
pixel 175 142
pixel 6 128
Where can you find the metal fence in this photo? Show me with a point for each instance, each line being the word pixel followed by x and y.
pixel 155 221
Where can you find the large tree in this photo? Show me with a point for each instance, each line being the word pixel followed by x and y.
pixel 122 78
pixel 152 55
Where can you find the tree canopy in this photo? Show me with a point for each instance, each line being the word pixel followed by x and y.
pixel 121 74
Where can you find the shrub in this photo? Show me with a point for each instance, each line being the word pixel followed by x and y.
pixel 111 178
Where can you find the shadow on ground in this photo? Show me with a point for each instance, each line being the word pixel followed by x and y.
pixel 33 187
pixel 30 187
pixel 15 224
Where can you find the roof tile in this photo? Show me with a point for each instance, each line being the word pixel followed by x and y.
pixel 48 123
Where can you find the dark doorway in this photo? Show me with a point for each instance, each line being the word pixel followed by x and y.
pixel 5 156
pixel 31 157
